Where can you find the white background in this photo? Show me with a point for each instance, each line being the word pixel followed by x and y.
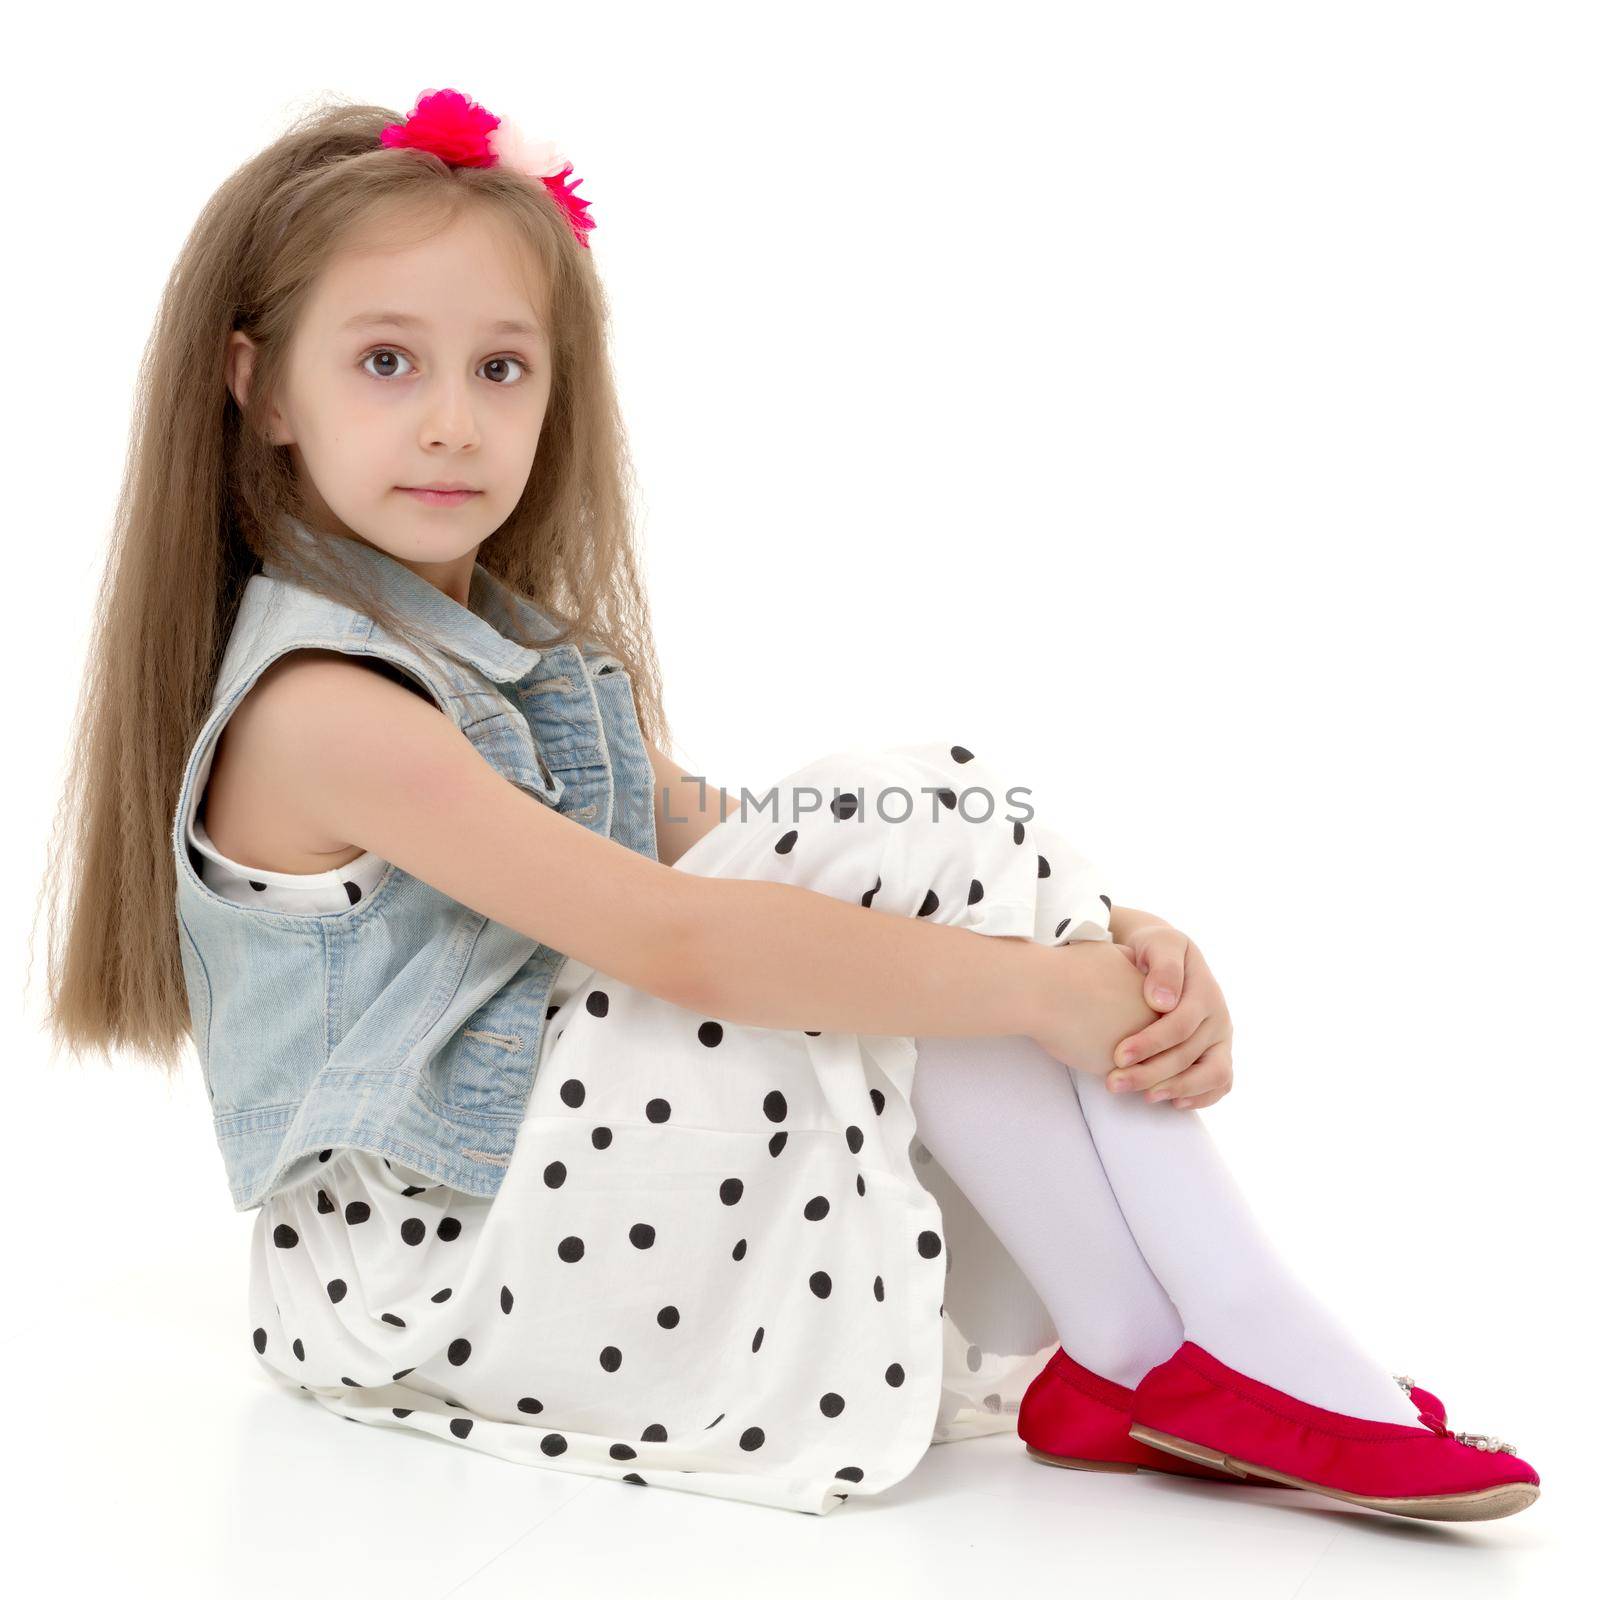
pixel 1192 410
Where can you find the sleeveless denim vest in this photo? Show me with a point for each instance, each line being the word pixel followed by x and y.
pixel 408 1025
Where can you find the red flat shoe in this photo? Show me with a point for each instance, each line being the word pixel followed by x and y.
pixel 1072 1417
pixel 1203 1411
pixel 1420 1397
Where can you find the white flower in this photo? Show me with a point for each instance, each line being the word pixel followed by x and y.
pixel 536 158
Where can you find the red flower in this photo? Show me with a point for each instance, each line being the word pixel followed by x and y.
pixel 446 122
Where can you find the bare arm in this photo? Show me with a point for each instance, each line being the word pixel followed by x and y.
pixel 395 776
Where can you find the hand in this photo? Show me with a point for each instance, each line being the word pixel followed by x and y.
pixel 1088 1001
pixel 1185 1057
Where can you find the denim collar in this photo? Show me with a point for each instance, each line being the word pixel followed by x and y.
pixel 457 630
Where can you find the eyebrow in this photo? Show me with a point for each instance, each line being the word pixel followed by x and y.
pixel 402 319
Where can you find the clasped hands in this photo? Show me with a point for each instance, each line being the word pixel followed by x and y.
pixel 1184 1057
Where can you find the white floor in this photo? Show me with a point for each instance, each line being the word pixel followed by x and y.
pixel 149 1455
pixel 146 1452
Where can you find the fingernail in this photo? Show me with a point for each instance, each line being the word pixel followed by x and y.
pixel 1114 1084
pixel 1128 1056
pixel 1165 996
pixel 1158 1094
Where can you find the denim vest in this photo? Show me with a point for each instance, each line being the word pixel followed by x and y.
pixel 408 1025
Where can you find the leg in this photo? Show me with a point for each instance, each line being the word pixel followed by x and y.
pixel 1001 1116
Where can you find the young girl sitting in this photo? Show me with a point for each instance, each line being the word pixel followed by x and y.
pixel 593 1116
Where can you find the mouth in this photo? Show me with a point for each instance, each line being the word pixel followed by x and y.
pixel 434 496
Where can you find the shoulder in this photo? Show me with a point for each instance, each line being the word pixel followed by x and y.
pixel 317 721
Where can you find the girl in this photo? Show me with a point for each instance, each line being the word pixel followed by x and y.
pixel 593 1117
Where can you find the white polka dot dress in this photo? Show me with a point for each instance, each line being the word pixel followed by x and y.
pixel 715 1262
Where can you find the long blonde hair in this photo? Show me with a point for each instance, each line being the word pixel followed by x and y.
pixel 202 504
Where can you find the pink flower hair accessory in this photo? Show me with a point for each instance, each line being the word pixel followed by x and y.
pixel 464 134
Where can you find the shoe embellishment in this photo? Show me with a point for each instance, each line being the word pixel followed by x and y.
pixel 1405 1383
pixel 1478 1441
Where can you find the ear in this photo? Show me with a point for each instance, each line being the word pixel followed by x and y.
pixel 239 368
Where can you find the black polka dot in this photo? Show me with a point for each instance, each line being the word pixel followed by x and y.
pixel 1018 832
pixel 597 1003
pixel 775 1106
pixel 555 1174
pixel 709 1034
pixel 849 1474
pixel 392 1320
pixel 854 1138
pixel 641 1235
pixel 259 1338
pixel 752 1439
pixel 299 1350
pixel 633 1477
pixel 337 1290
pixel 876 1096
pixel 611 1358
pixel 528 1404
pixel 353 890
pixel 654 1434
pixel 285 1237
pixel 947 798
pixel 927 1244
pixel 357 1211
pixel 730 1191
pixel 1044 867
pixel 821 1285
pixel 930 904
pixel 844 806
pixel 738 1250
pixel 553 1444
pixel 786 843
pixel 440 1298
pixel 507 1300
pixel 816 1208
pixel 458 1351
pixel 413 1230
pixel 975 893
pixel 449 1228
pixel 776 1143
pixel 894 1375
pixel 1061 926
pixel 755 1343
pixel 658 1110
pixel 461 1426
pixel 668 1317
pixel 324 1204
pixel 958 752
pixel 877 1289
pixel 571 1248
pixel 830 1405
pixel 1107 899
pixel 572 1093
pixel 866 899
pixel 601 1138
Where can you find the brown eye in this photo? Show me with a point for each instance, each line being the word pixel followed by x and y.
pixel 500 361
pixel 379 355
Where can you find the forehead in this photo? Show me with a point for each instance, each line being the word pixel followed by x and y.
pixel 468 271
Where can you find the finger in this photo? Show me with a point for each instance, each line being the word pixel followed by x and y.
pixel 1163 987
pixel 1212 1069
pixel 1198 1101
pixel 1162 1034
pixel 1155 1069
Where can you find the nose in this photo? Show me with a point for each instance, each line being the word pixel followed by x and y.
pixel 449 421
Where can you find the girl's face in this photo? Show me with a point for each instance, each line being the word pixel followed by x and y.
pixel 417 365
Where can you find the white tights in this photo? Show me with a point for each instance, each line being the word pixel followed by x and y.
pixel 1126 1221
